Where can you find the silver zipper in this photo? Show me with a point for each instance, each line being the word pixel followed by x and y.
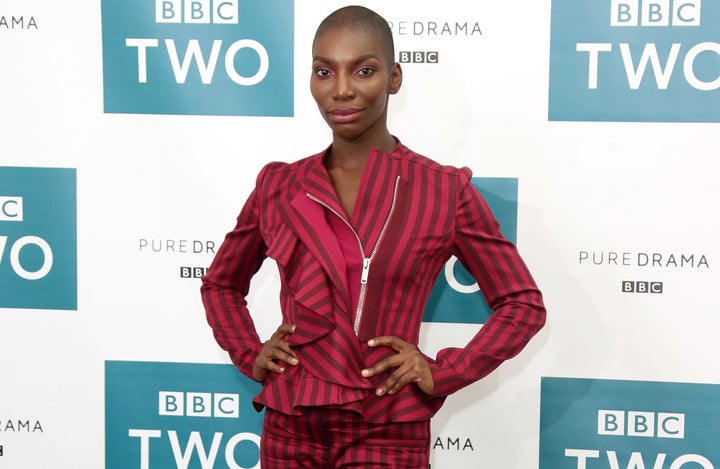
pixel 366 260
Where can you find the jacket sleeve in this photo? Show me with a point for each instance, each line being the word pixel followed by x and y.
pixel 226 284
pixel 505 282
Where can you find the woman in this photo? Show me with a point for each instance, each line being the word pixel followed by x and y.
pixel 360 233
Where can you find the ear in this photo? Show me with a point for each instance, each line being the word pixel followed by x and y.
pixel 395 78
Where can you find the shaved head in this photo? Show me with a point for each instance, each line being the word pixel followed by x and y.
pixel 363 19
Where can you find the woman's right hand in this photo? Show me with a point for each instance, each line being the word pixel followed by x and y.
pixel 276 348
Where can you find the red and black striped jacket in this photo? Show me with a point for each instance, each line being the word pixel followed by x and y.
pixel 410 216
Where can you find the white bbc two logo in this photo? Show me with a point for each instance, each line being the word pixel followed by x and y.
pixel 655 12
pixel 196 11
pixel 198 404
pixel 643 424
pixel 11 208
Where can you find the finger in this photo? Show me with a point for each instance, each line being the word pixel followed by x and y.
pixel 277 339
pixel 283 330
pixel 263 366
pixel 414 374
pixel 287 356
pixel 282 346
pixel 382 365
pixel 397 380
pixel 396 343
pixel 271 366
pixel 413 370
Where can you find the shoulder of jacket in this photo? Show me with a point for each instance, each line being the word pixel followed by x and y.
pixel 414 158
pixel 285 170
pixel 281 166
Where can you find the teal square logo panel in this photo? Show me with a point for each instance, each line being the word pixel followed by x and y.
pixel 38 238
pixel 593 424
pixel 635 61
pixel 171 415
pixel 198 57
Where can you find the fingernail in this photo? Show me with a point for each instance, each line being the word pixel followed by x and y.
pixel 282 369
pixel 379 392
pixel 371 342
pixel 365 372
pixel 294 361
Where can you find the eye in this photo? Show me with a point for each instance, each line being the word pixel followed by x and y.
pixel 322 73
pixel 365 71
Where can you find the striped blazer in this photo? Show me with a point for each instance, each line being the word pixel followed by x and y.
pixel 411 214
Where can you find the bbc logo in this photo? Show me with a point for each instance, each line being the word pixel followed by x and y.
pixel 643 424
pixel 198 404
pixel 192 272
pixel 418 57
pixel 11 208
pixel 196 11
pixel 655 12
pixel 628 286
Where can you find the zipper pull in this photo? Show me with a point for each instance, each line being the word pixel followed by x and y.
pixel 365 271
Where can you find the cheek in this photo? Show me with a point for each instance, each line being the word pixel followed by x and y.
pixel 380 97
pixel 317 91
pixel 313 88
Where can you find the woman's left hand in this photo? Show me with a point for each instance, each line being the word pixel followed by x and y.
pixel 410 367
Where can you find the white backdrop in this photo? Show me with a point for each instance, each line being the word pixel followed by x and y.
pixel 584 187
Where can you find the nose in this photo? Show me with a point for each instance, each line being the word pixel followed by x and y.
pixel 343 89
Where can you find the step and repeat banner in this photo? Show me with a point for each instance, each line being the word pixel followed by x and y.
pixel 132 132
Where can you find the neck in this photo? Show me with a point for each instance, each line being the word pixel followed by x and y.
pixel 352 154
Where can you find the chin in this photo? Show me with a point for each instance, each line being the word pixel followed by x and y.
pixel 345 133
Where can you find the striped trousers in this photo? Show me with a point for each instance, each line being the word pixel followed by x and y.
pixel 326 438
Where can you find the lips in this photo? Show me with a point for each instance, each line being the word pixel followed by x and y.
pixel 344 115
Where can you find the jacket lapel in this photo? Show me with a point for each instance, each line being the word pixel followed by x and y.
pixel 306 217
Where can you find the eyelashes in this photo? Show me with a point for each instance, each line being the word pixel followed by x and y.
pixel 363 71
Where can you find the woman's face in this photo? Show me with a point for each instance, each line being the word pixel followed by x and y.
pixel 351 80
